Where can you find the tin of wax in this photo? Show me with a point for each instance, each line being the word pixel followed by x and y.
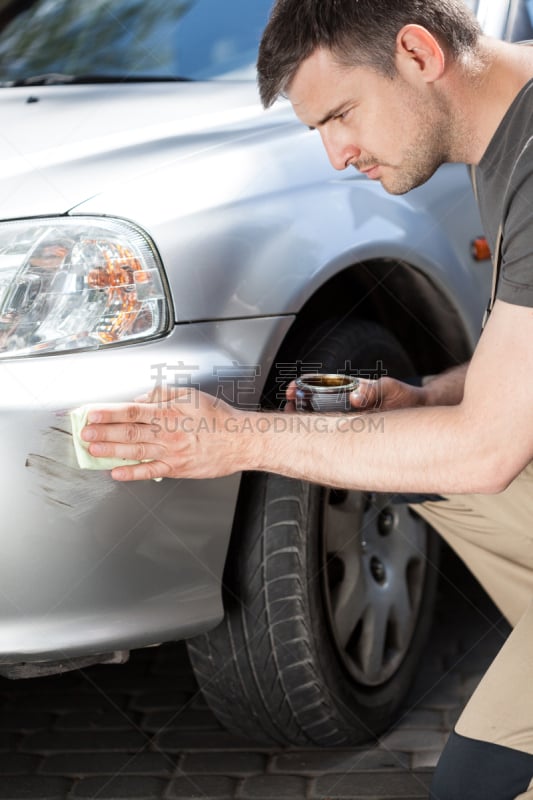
pixel 324 392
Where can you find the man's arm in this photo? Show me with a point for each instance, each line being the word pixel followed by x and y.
pixel 478 445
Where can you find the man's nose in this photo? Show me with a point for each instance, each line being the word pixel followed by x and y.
pixel 341 152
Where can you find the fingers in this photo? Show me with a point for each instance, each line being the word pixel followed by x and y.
pixel 290 391
pixel 132 452
pixel 386 394
pixel 153 470
pixel 109 436
pixel 367 394
pixel 129 412
pixel 132 432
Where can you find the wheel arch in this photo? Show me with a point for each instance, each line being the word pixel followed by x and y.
pixel 394 294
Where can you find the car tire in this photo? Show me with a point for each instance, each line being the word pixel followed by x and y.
pixel 328 595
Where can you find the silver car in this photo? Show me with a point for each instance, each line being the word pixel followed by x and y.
pixel 158 228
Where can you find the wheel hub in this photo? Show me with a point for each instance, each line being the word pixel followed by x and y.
pixel 374 569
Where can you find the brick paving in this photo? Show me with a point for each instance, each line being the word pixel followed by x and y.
pixel 142 731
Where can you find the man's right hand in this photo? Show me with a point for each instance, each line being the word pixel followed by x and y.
pixel 386 394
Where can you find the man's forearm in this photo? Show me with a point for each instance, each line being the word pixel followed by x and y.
pixel 430 450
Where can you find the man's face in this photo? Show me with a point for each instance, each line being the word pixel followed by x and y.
pixel 392 131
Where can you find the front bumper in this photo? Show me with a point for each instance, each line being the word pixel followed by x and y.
pixel 88 565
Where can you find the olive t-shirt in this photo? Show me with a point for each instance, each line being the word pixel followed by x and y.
pixel 504 180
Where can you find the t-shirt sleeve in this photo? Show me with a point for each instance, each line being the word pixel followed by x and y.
pixel 516 277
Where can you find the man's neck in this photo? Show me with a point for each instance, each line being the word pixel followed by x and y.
pixel 488 93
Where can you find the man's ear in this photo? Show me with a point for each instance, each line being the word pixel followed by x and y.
pixel 419 56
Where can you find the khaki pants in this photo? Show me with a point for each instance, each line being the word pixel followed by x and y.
pixel 493 534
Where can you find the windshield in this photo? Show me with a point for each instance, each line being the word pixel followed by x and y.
pixel 192 39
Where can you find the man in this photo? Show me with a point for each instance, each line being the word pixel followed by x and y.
pixel 395 88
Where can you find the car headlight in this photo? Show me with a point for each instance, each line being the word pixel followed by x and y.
pixel 78 283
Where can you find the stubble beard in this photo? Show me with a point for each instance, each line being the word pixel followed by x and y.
pixel 419 164
pixel 430 149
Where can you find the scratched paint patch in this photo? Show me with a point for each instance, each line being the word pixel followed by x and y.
pixel 58 479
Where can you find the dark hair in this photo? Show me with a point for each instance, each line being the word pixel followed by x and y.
pixel 357 32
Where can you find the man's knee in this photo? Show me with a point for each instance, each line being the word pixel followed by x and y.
pixel 473 770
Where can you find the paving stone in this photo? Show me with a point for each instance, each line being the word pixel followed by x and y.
pixel 428 759
pixel 24 720
pixel 184 683
pixel 204 787
pixel 172 660
pixel 171 719
pixel 110 719
pixel 7 742
pixel 33 787
pixel 425 718
pixel 121 679
pixel 76 701
pixel 372 786
pixel 51 742
pixel 486 644
pixel 428 681
pixel 199 701
pixel 470 684
pixel 54 684
pixel 450 683
pixel 224 763
pixel 452 716
pixel 123 787
pixel 159 700
pixel 418 740
pixel 474 655
pixel 115 683
pixel 18 764
pixel 443 699
pixel 319 762
pixel 175 741
pixel 80 764
pixel 272 787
